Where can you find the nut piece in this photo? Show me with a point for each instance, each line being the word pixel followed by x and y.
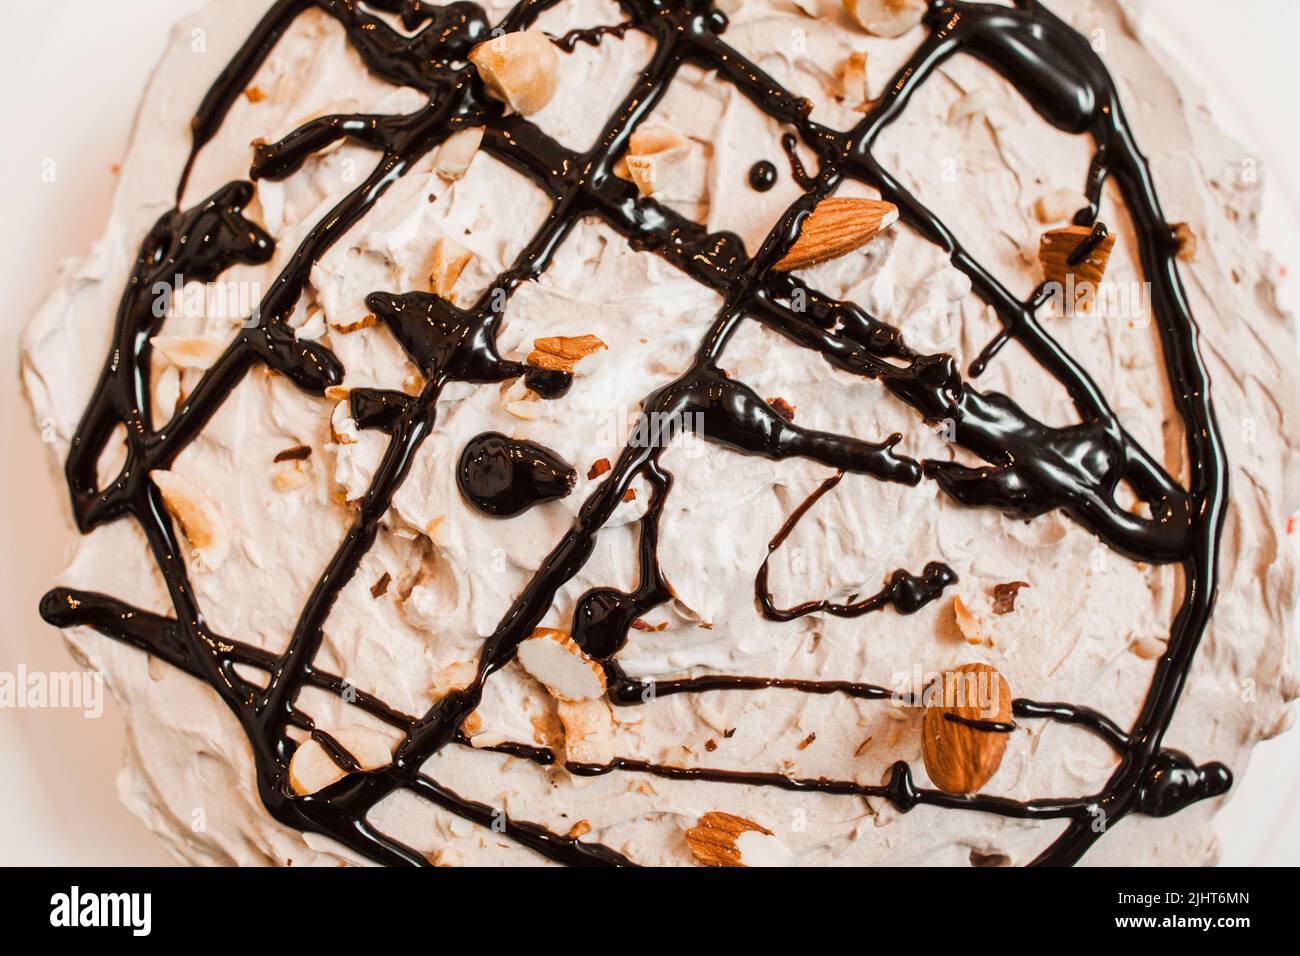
pixel 653 152
pixel 312 769
pixel 1058 247
pixel 198 515
pixel 449 260
pixel 367 320
pixel 554 659
pixel 969 623
pixel 185 352
pixel 852 76
pixel 723 839
pixel 521 70
pixel 1186 240
pixel 836 227
pixel 458 152
pixel 1059 205
pixel 588 731
pixel 886 18
pixel 975 103
pixel 560 353
pixel 963 735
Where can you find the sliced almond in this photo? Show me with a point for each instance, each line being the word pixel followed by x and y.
pixel 558 662
pixel 653 154
pixel 837 227
pixel 343 430
pixel 969 623
pixel 724 839
pixel 312 768
pixel 560 353
pixel 521 70
pixel 458 676
pixel 188 351
pixel 1055 251
pixel 367 321
pixel 456 154
pixel 198 515
pixel 449 260
pixel 960 743
pixel 588 731
pixel 1059 205
pixel 852 76
pixel 886 18
pixel 167 393
pixel 1148 648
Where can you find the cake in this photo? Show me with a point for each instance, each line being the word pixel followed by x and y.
pixel 608 433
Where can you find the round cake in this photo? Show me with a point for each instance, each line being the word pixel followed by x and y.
pixel 669 432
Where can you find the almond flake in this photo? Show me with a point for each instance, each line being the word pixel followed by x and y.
pixel 188 352
pixel 588 731
pixel 886 18
pixel 560 353
pixel 1059 246
pixel 969 623
pixel 312 768
pixel 653 154
pixel 367 321
pixel 449 260
pixel 456 154
pixel 557 661
pixel 852 76
pixel 198 516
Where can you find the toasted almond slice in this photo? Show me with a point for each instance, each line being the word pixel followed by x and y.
pixel 343 430
pixel 167 393
pixel 852 75
pixel 653 153
pixel 969 623
pixel 724 839
pixel 837 227
pixel 367 321
pixel 560 353
pixel 1148 648
pixel 1059 205
pixel 960 755
pixel 198 515
pixel 449 260
pixel 554 659
pixel 188 352
pixel 521 70
pixel 312 769
pixel 886 18
pixel 588 731
pixel 456 154
pixel 1056 249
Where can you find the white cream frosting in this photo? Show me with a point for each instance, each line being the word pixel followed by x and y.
pixel 454 572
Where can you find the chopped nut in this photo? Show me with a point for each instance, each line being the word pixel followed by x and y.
pixel 521 70
pixel 198 516
pixel 560 353
pixel 312 768
pixel 599 467
pixel 1148 648
pixel 380 587
pixel 886 18
pixel 187 352
pixel 724 839
pixel 852 76
pixel 837 227
pixel 254 94
pixel 653 153
pixel 629 495
pixel 456 154
pixel 366 321
pixel 558 662
pixel 1004 596
pixel 296 453
pixel 1186 239
pixel 449 260
pixel 782 408
pixel 579 829
pixel 968 622
pixel 808 741
pixel 1059 246
pixel 588 731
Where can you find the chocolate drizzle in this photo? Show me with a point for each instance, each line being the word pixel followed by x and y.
pixel 1030 469
pixel 504 477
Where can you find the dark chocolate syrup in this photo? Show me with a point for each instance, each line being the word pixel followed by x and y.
pixel 1030 469
pixel 504 477
pixel 762 176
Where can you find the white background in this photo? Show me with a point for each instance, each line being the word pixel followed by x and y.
pixel 74 71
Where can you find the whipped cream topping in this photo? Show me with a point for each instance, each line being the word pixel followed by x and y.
pixel 1076 631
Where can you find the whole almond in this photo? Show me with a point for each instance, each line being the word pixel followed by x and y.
pixel 837 227
pixel 963 735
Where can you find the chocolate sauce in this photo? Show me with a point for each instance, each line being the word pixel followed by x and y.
pixel 1030 468
pixel 762 176
pixel 504 477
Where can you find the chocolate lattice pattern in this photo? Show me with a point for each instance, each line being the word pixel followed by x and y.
pixel 1031 468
